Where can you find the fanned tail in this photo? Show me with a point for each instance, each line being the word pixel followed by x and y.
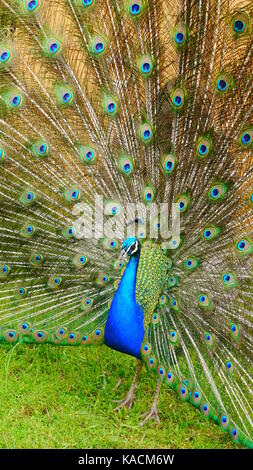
pixel 139 101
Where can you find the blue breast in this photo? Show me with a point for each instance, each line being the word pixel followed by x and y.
pixel 124 330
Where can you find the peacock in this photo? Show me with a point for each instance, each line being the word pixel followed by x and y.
pixel 126 190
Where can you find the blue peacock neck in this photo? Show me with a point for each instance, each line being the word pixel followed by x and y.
pixel 130 275
pixel 124 330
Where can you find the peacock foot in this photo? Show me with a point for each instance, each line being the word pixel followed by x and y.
pixel 127 402
pixel 152 414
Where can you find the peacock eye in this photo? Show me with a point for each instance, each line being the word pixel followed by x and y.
pixel 168 163
pixel 98 46
pixel 4 56
pixel 177 98
pixel 179 38
pixel 2 155
pixel 229 366
pixel 75 194
pixel 204 146
pixel 202 149
pixel 126 166
pixel 238 26
pixel 16 100
pixel 135 8
pixel 180 35
pixel 148 194
pixel 210 232
pixel 183 202
pixel 32 5
pixel 246 138
pixel 111 107
pixel 240 22
pixel 224 420
pixel 244 246
pixel 43 148
pixel 222 84
pixel 204 301
pixel 146 133
pixel 52 48
pixel 89 155
pixel 66 97
pixel 145 66
pixel 87 3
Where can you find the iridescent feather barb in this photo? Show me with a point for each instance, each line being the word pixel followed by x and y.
pixel 138 101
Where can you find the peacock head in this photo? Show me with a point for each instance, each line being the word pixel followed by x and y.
pixel 130 247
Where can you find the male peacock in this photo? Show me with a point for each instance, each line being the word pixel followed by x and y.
pixel 139 101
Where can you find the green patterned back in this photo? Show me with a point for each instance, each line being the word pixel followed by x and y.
pixel 151 278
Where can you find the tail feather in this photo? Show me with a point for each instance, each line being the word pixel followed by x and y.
pixel 140 101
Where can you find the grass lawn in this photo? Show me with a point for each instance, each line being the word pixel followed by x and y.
pixel 53 397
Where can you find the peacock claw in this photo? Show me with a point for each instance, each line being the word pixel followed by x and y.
pixel 127 402
pixel 152 414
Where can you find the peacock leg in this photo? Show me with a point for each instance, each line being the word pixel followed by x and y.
pixel 128 400
pixel 153 413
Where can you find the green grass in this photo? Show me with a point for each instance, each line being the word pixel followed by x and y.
pixel 53 397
